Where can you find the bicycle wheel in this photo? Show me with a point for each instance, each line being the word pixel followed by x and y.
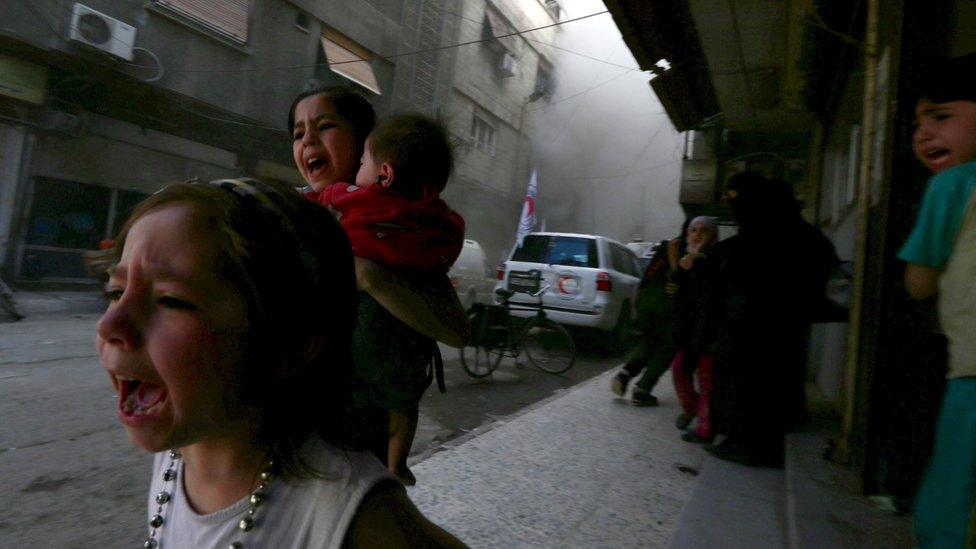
pixel 484 354
pixel 479 361
pixel 548 345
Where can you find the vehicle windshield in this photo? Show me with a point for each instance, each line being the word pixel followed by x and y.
pixel 572 251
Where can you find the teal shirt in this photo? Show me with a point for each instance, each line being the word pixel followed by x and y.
pixel 933 238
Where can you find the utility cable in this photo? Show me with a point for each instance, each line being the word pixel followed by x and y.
pixel 479 22
pixel 391 56
pixel 567 98
pixel 47 23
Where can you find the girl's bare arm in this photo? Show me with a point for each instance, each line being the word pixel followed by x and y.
pixel 387 518
pixel 921 281
pixel 435 312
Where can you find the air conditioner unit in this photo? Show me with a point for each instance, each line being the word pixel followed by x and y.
pixel 508 65
pixel 101 31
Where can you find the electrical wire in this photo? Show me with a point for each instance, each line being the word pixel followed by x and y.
pixel 631 171
pixel 584 92
pixel 572 115
pixel 479 22
pixel 37 14
pixel 387 57
pixel 228 121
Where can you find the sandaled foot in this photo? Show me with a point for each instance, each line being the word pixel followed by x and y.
pixel 696 438
pixel 406 476
pixel 683 420
pixel 619 383
pixel 745 455
pixel 640 398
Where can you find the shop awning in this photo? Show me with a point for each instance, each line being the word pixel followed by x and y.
pixel 349 60
pixel 497 27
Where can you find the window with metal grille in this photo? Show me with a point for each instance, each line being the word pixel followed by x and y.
pixel 544 83
pixel 554 8
pixel 483 135
pixel 349 60
pixel 227 17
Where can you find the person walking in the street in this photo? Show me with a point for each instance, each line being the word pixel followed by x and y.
pixel 772 277
pixel 405 163
pixel 655 346
pixel 695 293
pixel 226 367
pixel 941 257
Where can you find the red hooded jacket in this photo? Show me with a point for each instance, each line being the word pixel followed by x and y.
pixel 386 227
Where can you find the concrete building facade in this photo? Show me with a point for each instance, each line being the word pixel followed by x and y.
pixel 494 82
pixel 103 102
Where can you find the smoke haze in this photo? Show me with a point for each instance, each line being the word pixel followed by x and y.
pixel 609 159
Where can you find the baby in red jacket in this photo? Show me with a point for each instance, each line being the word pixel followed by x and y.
pixel 394 214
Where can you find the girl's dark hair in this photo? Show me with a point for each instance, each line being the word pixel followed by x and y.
pixel 418 148
pixel 347 103
pixel 950 80
pixel 292 265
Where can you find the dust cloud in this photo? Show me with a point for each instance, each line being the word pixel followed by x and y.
pixel 609 159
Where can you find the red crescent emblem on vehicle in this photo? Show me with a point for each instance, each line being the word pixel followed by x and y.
pixel 567 284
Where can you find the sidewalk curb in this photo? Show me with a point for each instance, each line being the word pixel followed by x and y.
pixel 498 422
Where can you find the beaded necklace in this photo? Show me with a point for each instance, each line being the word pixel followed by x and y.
pixel 246 524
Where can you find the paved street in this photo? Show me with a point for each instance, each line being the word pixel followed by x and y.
pixel 76 480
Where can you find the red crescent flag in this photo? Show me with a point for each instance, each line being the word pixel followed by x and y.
pixel 528 220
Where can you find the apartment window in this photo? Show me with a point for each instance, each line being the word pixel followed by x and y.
pixel 544 84
pixel 495 31
pixel 554 8
pixel 302 22
pixel 483 135
pixel 226 17
pixel 498 35
pixel 349 60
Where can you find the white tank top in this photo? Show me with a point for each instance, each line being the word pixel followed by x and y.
pixel 308 512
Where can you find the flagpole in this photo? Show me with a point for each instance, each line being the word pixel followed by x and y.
pixel 528 219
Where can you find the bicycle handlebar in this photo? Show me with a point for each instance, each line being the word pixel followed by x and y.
pixel 506 294
pixel 541 291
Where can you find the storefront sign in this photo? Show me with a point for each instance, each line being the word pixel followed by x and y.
pixel 22 79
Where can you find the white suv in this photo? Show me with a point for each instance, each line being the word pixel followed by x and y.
pixel 471 276
pixel 592 279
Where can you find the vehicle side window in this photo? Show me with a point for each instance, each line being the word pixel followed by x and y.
pixel 622 260
pixel 534 249
pixel 638 267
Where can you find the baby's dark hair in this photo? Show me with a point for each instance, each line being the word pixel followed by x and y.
pixel 951 80
pixel 292 265
pixel 348 104
pixel 418 148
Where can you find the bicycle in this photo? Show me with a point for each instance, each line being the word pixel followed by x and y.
pixel 497 334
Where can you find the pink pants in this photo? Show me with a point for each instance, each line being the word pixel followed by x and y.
pixel 696 403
